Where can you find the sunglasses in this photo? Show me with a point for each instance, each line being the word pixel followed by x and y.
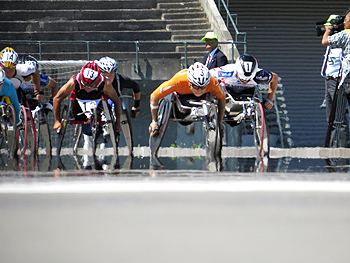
pixel 197 87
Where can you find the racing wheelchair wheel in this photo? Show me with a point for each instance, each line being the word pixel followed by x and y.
pixel 212 134
pixel 42 131
pixel 30 138
pixel 64 122
pixel 9 140
pixel 260 130
pixel 163 120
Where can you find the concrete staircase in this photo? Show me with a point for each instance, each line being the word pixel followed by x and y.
pixel 105 20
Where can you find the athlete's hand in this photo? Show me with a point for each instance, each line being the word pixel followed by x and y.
pixel 268 104
pixel 57 126
pixel 153 129
pixel 134 112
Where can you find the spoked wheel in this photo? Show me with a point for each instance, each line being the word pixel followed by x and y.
pixel 261 132
pixel 110 120
pixel 23 130
pixel 31 132
pixel 11 131
pixel 42 131
pixel 155 142
pixel 212 136
pixel 94 128
pixel 64 122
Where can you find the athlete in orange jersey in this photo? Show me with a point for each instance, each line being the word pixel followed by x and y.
pixel 195 80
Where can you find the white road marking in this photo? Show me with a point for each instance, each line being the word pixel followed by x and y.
pixel 122 186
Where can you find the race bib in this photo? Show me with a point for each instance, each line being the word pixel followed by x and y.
pixel 87 106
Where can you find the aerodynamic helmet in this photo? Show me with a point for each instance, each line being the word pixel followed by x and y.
pixel 107 65
pixel 198 75
pixel 29 59
pixel 8 57
pixel 247 66
pixel 2 76
pixel 90 75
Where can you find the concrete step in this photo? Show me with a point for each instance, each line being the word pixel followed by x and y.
pixel 52 15
pixel 189 37
pixel 180 27
pixel 182 10
pixel 175 1
pixel 200 20
pixel 79 25
pixel 195 48
pixel 184 15
pixel 90 35
pixel 168 6
pixel 76 5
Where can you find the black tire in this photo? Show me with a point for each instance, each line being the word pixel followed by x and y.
pixel 65 115
pixel 261 132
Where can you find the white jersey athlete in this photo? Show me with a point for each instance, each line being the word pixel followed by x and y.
pixel 244 76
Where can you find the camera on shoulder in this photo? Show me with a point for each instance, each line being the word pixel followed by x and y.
pixel 335 20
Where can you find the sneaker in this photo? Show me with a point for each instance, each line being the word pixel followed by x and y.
pixel 323 105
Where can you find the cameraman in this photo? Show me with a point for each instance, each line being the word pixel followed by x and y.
pixel 340 40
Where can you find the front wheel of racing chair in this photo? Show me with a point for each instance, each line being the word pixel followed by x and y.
pixel 8 133
pixel 261 132
pixel 155 141
pixel 43 137
pixel 213 142
pixel 27 132
pixel 65 117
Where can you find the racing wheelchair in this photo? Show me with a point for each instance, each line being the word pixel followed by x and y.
pixel 248 106
pixel 187 109
pixel 91 113
pixel 8 129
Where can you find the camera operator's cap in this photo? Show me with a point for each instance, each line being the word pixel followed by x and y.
pixel 210 35
pixel 330 18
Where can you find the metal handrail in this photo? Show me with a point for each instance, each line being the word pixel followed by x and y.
pixel 137 46
pixel 234 23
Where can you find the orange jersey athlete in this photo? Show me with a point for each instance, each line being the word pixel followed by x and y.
pixel 195 80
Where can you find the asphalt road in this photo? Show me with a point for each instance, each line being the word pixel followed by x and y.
pixel 173 216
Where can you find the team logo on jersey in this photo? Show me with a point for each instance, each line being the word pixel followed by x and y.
pixel 224 74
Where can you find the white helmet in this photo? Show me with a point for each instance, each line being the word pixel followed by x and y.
pixel 8 57
pixel 107 65
pixel 247 66
pixel 198 75
pixel 2 76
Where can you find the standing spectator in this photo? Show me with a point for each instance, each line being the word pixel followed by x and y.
pixel 215 57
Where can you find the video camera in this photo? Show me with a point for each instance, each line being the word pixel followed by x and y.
pixel 336 22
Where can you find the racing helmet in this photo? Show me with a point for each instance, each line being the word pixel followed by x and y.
pixel 198 75
pixel 90 75
pixel 107 65
pixel 29 59
pixel 8 57
pixel 2 76
pixel 247 66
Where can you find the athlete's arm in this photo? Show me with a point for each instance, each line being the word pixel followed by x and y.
pixel 12 94
pixel 61 95
pixel 272 90
pixel 36 81
pixel 54 87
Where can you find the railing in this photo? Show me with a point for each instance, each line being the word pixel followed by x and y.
pixel 136 43
pixel 233 23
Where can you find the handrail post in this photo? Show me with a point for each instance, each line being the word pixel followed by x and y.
pixel 88 50
pixel 39 50
pixel 137 66
pixel 186 65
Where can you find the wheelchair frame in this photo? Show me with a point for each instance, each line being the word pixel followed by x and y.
pixel 8 128
pixel 251 109
pixel 205 111
pixel 67 117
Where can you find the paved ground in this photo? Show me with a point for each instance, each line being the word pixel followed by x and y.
pixel 175 216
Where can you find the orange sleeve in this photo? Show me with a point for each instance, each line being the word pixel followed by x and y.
pixel 178 83
pixel 215 88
